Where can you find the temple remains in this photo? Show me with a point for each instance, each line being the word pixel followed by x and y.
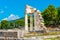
pixel 38 20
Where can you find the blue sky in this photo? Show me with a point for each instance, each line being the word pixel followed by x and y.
pixel 14 9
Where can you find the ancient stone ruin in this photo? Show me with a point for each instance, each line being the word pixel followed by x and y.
pixel 38 20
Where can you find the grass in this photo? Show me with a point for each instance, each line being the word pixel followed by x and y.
pixel 42 34
pixel 50 33
pixel 58 38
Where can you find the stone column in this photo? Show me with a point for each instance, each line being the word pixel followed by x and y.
pixel 31 22
pixel 26 22
pixel 35 25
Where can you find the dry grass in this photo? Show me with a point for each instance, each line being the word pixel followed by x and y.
pixel 41 34
pixel 57 38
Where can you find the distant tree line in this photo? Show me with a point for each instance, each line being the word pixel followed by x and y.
pixel 10 25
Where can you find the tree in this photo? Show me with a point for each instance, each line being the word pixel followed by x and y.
pixel 0 25
pixel 50 15
pixel 58 9
pixel 19 23
pixel 4 24
pixel 11 25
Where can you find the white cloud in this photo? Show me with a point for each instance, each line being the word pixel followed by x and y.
pixel 12 17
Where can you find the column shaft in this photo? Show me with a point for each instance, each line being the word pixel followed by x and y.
pixel 31 22
pixel 26 22
pixel 35 25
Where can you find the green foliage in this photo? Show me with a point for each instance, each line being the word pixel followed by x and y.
pixel 50 15
pixel 29 21
pixel 10 27
pixel 20 23
pixel 58 17
pixel 11 23
pixel 4 24
pixel 0 25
